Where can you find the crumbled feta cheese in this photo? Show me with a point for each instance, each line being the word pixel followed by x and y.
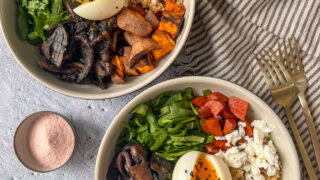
pixel 258 136
pixel 262 125
pixel 219 138
pixel 242 124
pixel 236 135
pixel 254 154
pixel 233 157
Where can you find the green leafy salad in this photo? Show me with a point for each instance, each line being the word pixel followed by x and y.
pixel 35 16
pixel 167 126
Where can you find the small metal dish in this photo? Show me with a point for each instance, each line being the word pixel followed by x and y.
pixel 21 143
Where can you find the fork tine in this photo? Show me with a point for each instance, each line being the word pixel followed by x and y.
pixel 280 76
pixel 296 45
pixel 293 61
pixel 269 67
pixel 286 58
pixel 281 65
pixel 264 72
pixel 280 53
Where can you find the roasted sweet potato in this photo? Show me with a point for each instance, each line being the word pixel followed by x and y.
pixel 165 42
pixel 133 22
pixel 174 7
pixel 127 68
pixel 170 23
pixel 152 19
pixel 145 64
pixel 118 63
pixel 117 76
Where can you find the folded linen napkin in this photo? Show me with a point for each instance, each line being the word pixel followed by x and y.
pixel 226 33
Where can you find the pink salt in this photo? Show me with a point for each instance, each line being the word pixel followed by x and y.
pixel 51 140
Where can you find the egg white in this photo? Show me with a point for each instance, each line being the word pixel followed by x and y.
pixel 186 163
pixel 99 9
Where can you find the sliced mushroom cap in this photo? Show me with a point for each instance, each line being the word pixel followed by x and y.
pixel 141 48
pixel 128 69
pixel 59 45
pixel 55 47
pixel 152 19
pixel 88 53
pixel 133 22
pixel 46 46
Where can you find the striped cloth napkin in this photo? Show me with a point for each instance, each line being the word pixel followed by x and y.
pixel 226 33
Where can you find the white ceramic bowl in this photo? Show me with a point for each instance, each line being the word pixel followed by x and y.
pixel 258 110
pixel 27 56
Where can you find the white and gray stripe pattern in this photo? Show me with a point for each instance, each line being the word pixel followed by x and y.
pixel 226 33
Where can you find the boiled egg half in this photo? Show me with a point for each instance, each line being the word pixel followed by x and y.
pixel 198 165
pixel 99 9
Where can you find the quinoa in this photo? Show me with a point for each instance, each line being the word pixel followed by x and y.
pixel 154 5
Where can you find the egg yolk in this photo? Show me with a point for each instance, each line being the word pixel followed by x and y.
pixel 204 169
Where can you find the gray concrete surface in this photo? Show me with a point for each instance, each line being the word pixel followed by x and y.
pixel 20 95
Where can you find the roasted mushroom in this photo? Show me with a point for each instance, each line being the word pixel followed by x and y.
pixel 132 163
pixel 87 55
pixel 133 22
pixel 140 47
pixel 152 19
pixel 127 67
pixel 54 48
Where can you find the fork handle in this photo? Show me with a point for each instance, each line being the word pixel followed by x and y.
pixel 311 127
pixel 299 142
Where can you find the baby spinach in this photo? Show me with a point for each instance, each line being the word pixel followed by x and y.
pixel 167 125
pixel 35 16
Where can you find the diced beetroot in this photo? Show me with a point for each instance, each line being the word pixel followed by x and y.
pixel 248 129
pixel 229 126
pixel 199 101
pixel 213 126
pixel 227 114
pixel 238 107
pixel 217 96
pixel 215 106
pixel 204 112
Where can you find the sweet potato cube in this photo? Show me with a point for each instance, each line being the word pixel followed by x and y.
pixel 145 64
pixel 165 42
pixel 170 23
pixel 118 63
pixel 174 7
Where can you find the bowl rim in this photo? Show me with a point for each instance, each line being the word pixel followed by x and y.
pixel 24 121
pixel 188 79
pixel 106 95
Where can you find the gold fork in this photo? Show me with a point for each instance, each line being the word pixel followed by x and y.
pixel 283 90
pixel 296 71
